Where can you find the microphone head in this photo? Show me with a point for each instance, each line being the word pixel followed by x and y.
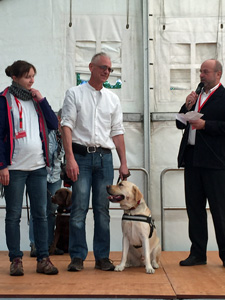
pixel 199 88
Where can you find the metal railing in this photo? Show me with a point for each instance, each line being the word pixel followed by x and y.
pixel 131 169
pixel 163 208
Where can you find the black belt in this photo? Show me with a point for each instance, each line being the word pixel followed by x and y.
pixel 83 150
pixel 189 147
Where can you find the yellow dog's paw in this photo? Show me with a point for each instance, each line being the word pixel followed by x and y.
pixel 150 270
pixel 155 264
pixel 119 268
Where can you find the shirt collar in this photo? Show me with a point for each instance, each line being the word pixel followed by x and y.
pixel 93 89
pixel 212 89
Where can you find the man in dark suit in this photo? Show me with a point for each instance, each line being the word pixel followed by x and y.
pixel 202 154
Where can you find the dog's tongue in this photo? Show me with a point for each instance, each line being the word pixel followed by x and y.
pixel 116 198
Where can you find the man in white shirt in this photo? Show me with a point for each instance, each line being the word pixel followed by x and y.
pixel 92 127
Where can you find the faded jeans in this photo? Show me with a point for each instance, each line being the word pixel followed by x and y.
pixel 95 172
pixel 51 209
pixel 36 185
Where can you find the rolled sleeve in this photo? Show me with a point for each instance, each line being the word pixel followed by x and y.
pixel 117 127
pixel 69 112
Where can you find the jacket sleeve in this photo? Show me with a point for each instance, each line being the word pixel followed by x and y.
pixel 179 124
pixel 215 128
pixel 49 114
pixel 3 132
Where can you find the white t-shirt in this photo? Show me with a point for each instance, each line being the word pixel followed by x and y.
pixel 28 152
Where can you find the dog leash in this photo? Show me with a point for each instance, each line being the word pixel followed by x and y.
pixel 28 213
pixel 50 194
pixel 124 177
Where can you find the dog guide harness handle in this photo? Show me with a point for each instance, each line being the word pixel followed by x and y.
pixel 124 176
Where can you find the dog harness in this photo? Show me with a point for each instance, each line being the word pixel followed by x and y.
pixel 141 218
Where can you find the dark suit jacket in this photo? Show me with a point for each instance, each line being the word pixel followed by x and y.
pixel 209 149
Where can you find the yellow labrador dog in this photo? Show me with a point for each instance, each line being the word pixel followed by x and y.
pixel 141 246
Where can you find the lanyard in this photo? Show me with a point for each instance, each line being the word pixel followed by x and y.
pixel 199 101
pixel 20 112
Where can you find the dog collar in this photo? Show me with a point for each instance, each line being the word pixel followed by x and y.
pixel 136 205
pixel 64 214
pixel 64 210
pixel 141 218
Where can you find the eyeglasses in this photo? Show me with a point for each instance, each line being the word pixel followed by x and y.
pixel 206 72
pixel 104 68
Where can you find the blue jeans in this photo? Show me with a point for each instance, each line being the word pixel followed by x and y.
pixel 36 184
pixel 96 172
pixel 51 208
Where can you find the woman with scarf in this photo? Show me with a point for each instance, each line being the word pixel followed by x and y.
pixel 25 119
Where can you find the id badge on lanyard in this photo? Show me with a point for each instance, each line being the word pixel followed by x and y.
pixel 21 133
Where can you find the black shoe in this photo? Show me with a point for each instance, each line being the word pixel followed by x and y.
pixel 192 261
pixel 75 265
pixel 58 251
pixel 104 264
pixel 33 251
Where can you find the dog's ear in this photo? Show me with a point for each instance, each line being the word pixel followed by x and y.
pixel 137 194
pixel 68 198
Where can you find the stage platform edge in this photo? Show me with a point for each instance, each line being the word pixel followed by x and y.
pixel 170 281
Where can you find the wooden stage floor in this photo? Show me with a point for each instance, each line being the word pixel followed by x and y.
pixel 170 281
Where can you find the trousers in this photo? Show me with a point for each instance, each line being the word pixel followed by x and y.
pixel 95 173
pixel 36 185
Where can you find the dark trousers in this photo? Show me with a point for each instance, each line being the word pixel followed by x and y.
pixel 202 184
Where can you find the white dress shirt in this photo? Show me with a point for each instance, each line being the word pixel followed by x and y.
pixel 204 96
pixel 93 116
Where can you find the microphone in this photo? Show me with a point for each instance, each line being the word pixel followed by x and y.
pixel 198 91
pixel 199 88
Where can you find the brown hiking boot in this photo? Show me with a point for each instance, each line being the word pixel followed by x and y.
pixel 16 267
pixel 45 266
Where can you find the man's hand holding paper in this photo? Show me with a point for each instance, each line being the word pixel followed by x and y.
pixel 190 116
pixel 197 124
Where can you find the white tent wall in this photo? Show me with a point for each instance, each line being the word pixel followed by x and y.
pixel 39 32
pixel 181 34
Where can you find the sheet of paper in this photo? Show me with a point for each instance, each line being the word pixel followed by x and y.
pixel 190 115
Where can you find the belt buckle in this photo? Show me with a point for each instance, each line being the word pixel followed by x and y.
pixel 91 151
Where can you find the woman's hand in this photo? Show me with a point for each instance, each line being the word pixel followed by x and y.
pixel 36 94
pixel 4 176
